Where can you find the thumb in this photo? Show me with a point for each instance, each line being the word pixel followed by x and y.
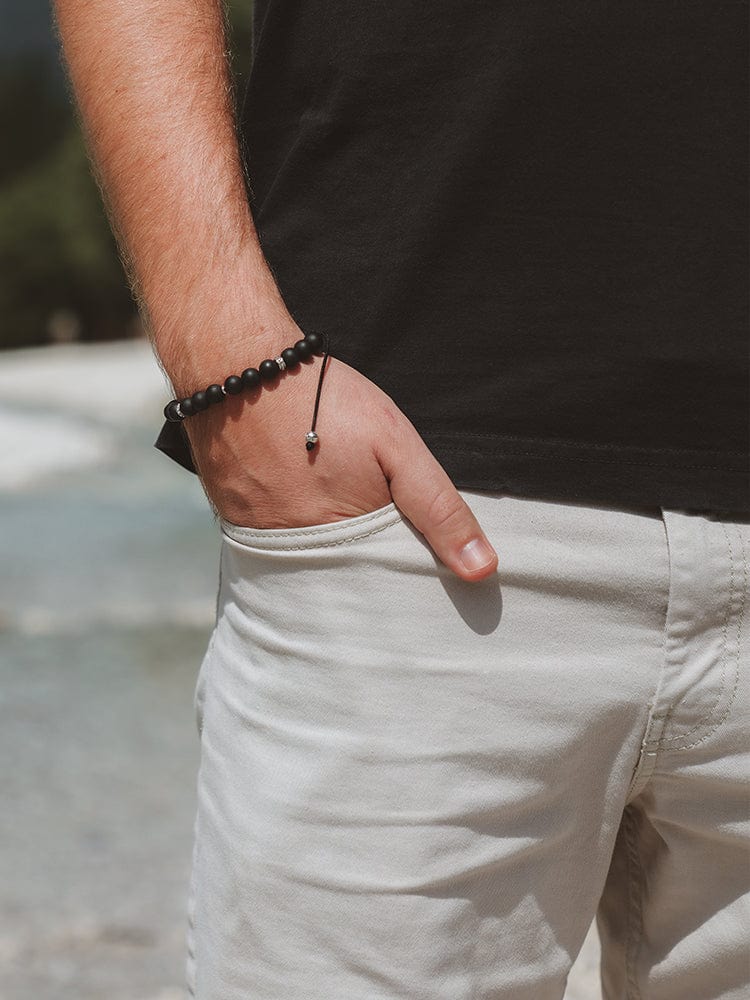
pixel 425 493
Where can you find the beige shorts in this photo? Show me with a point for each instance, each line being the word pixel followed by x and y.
pixel 419 788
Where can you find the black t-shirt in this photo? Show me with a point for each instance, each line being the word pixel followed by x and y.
pixel 526 221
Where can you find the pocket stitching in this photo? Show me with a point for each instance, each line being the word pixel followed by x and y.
pixel 310 542
pixel 304 530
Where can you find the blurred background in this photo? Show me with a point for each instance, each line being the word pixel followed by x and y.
pixel 109 558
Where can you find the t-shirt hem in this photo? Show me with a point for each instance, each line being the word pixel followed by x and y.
pixel 623 476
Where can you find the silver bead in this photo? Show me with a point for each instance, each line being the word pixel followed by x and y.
pixel 178 411
pixel 311 439
pixel 280 362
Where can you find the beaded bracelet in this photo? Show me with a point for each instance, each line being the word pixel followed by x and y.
pixel 312 343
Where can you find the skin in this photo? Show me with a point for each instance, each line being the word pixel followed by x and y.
pixel 151 82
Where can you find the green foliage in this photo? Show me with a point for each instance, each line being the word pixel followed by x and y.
pixel 57 254
pixel 33 112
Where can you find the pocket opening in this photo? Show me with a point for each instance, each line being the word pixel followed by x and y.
pixel 314 535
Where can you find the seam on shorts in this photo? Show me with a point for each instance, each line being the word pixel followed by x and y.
pixel 646 761
pixel 199 688
pixel 310 543
pixel 634 930
pixel 663 743
pixel 191 922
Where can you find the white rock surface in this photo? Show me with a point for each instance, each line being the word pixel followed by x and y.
pixel 61 406
pixel 114 383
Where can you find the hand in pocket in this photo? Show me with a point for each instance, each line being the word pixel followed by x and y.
pixel 251 457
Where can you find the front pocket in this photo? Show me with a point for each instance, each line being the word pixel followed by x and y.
pixel 315 536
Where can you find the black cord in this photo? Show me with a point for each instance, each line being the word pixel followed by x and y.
pixel 311 438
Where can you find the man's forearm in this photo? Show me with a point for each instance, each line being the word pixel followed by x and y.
pixel 152 85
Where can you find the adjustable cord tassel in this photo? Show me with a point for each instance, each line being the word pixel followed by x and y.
pixel 311 438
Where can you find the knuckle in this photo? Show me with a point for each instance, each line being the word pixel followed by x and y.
pixel 389 423
pixel 387 437
pixel 446 511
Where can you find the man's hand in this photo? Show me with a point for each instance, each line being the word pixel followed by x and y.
pixel 152 85
pixel 254 466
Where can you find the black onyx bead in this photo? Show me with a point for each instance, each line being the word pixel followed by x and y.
pixel 250 378
pixel 315 341
pixel 268 369
pixel 290 356
pixel 200 401
pixel 186 405
pixel 303 349
pixel 214 393
pixel 233 385
pixel 172 411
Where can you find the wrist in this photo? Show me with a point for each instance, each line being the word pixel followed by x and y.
pixel 228 350
pixel 221 329
pixel 248 379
